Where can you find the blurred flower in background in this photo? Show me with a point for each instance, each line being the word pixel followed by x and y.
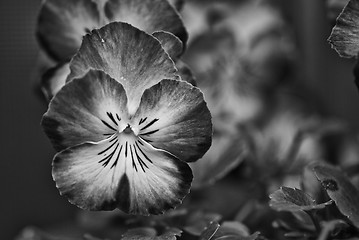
pixel 62 25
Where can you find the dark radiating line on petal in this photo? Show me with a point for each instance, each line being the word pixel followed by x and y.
pixel 142 120
pixel 146 140
pixel 107 159
pixel 126 150
pixel 140 142
pixel 118 118
pixel 133 160
pixel 109 114
pixel 149 124
pixel 108 147
pixel 141 162
pixel 108 125
pixel 148 133
pixel 118 156
pixel 148 159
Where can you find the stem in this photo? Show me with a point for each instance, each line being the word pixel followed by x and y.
pixel 327 228
pixel 313 216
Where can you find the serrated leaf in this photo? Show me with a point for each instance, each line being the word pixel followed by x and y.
pixel 340 189
pixel 345 34
pixel 293 199
pixel 148 233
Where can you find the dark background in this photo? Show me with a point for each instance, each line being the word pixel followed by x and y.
pixel 28 194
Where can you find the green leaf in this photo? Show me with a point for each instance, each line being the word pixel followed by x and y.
pixel 197 221
pixel 33 233
pixel 90 237
pixel 340 189
pixel 148 233
pixel 228 231
pixel 209 231
pixel 345 34
pixel 293 199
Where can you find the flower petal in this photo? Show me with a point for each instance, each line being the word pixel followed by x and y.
pixel 121 172
pixel 345 34
pixel 86 109
pixel 130 56
pixel 173 116
pixel 147 15
pixel 172 44
pixel 54 79
pixel 62 23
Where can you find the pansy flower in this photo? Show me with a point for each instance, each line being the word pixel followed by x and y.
pixel 63 23
pixel 125 126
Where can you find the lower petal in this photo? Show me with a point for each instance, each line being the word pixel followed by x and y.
pixel 121 172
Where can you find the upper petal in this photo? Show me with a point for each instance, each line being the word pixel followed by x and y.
pixel 147 15
pixel 63 23
pixel 86 109
pixel 173 116
pixel 127 54
pixel 121 172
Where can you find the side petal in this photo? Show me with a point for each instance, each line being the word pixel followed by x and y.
pixel 63 23
pixel 134 177
pixel 86 109
pixel 173 116
pixel 54 79
pixel 172 44
pixel 345 34
pixel 127 54
pixel 147 15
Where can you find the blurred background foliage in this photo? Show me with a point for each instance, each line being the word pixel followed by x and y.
pixel 290 80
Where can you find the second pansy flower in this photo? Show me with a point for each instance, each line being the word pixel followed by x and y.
pixel 63 23
pixel 125 126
